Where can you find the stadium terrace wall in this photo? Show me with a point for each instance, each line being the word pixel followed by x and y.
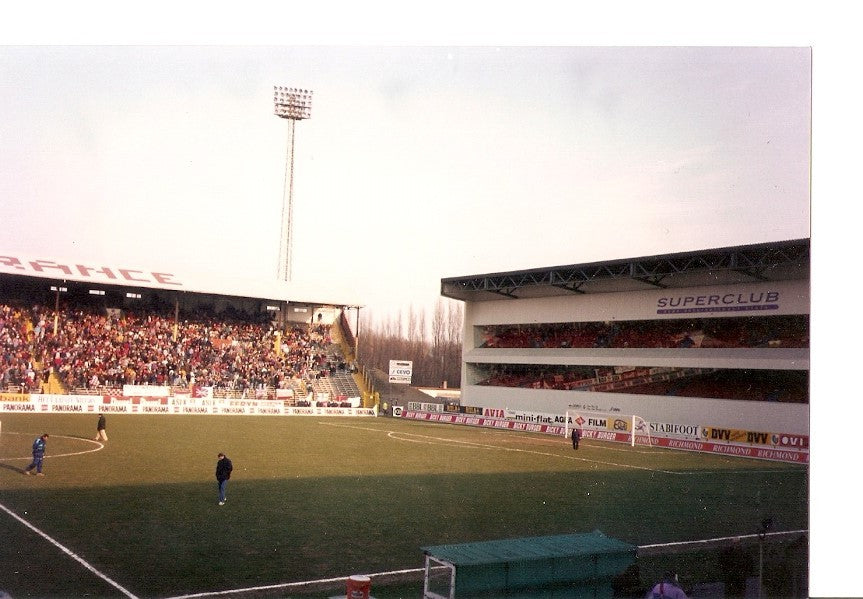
pixel 790 297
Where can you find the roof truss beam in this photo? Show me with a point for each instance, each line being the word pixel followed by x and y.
pixel 753 261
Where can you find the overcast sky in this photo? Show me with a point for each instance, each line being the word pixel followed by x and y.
pixel 417 163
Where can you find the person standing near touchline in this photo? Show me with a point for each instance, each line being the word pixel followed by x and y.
pixel 38 455
pixel 100 429
pixel 223 473
pixel 576 437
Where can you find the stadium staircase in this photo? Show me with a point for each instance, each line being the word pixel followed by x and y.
pixel 343 381
pixel 54 385
pixel 299 388
pixel 338 380
pixel 51 385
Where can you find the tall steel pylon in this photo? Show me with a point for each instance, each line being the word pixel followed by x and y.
pixel 293 105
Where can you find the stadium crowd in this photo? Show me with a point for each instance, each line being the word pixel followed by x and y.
pixel 99 349
pixel 755 385
pixel 16 360
pixel 761 332
pixel 782 331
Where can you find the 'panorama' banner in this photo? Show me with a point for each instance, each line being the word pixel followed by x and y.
pixel 111 404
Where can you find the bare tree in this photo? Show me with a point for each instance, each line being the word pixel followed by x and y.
pixel 434 349
pixel 453 343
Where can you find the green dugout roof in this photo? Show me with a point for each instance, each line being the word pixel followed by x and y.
pixel 585 563
pixel 529 549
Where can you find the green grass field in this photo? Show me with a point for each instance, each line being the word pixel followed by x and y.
pixel 314 498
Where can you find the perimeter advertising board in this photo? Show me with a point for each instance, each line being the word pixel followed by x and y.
pixel 154 404
pixel 775 446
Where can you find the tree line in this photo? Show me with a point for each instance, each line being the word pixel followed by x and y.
pixel 433 344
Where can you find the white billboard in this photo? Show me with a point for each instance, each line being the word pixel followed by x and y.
pixel 401 371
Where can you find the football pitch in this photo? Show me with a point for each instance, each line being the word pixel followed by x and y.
pixel 316 498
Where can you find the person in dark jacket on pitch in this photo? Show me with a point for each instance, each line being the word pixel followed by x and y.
pixel 576 436
pixel 223 473
pixel 100 429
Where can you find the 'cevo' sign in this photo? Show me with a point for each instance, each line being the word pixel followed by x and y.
pixel 401 371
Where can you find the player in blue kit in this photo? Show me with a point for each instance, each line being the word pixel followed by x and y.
pixel 38 455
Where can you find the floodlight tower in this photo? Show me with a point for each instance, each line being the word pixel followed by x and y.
pixel 293 105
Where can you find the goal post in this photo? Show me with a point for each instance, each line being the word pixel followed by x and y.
pixel 609 426
pixel 439 579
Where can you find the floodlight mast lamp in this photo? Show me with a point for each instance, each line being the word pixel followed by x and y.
pixel 293 105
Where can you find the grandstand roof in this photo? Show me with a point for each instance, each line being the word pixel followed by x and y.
pixel 111 274
pixel 774 261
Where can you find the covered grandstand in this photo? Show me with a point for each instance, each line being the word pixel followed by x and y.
pixel 709 345
pixel 70 327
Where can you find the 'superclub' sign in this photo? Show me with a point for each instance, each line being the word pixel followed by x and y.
pixel 83 272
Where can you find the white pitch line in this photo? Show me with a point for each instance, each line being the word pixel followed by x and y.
pixel 61 455
pixel 444 441
pixel 555 440
pixel 287 585
pixel 70 553
pixel 456 443
pixel 777 534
